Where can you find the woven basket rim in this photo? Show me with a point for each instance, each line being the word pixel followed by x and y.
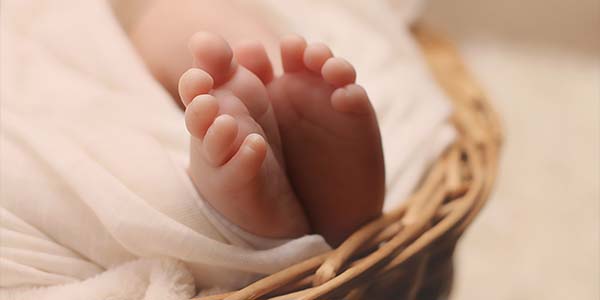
pixel 407 252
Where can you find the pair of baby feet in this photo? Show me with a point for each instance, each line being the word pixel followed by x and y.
pixel 282 156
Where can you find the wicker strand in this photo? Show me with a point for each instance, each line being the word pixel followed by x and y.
pixel 335 261
pixel 377 258
pixel 279 279
pixel 407 252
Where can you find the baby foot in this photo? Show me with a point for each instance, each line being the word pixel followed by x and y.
pixel 331 141
pixel 235 160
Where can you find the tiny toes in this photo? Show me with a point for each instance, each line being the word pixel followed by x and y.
pixel 212 54
pixel 192 83
pixel 246 163
pixel 200 114
pixel 338 72
pixel 292 53
pixel 219 139
pixel 351 99
pixel 315 56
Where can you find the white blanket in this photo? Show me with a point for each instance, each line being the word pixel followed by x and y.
pixel 94 199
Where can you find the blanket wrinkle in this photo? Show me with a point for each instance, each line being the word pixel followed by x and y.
pixel 95 201
pixel 143 279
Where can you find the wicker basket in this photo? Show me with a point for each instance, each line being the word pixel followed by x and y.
pixel 407 253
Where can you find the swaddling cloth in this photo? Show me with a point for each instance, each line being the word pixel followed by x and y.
pixel 93 161
pixel 94 151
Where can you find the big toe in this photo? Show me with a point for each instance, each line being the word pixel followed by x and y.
pixel 212 54
pixel 292 53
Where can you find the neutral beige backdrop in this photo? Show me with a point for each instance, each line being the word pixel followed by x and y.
pixel 539 61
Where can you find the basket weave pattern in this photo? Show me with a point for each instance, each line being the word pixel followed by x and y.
pixel 407 252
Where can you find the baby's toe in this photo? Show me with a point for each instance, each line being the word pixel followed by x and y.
pixel 200 114
pixel 246 163
pixel 212 54
pixel 219 140
pixel 338 72
pixel 351 99
pixel 253 56
pixel 192 83
pixel 292 53
pixel 315 56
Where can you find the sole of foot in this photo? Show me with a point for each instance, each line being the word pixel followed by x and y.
pixel 330 138
pixel 236 162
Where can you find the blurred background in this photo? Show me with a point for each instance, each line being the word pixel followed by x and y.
pixel 539 61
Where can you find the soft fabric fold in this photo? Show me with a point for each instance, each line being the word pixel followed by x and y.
pixel 95 200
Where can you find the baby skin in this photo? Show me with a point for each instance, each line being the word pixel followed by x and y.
pixel 282 156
